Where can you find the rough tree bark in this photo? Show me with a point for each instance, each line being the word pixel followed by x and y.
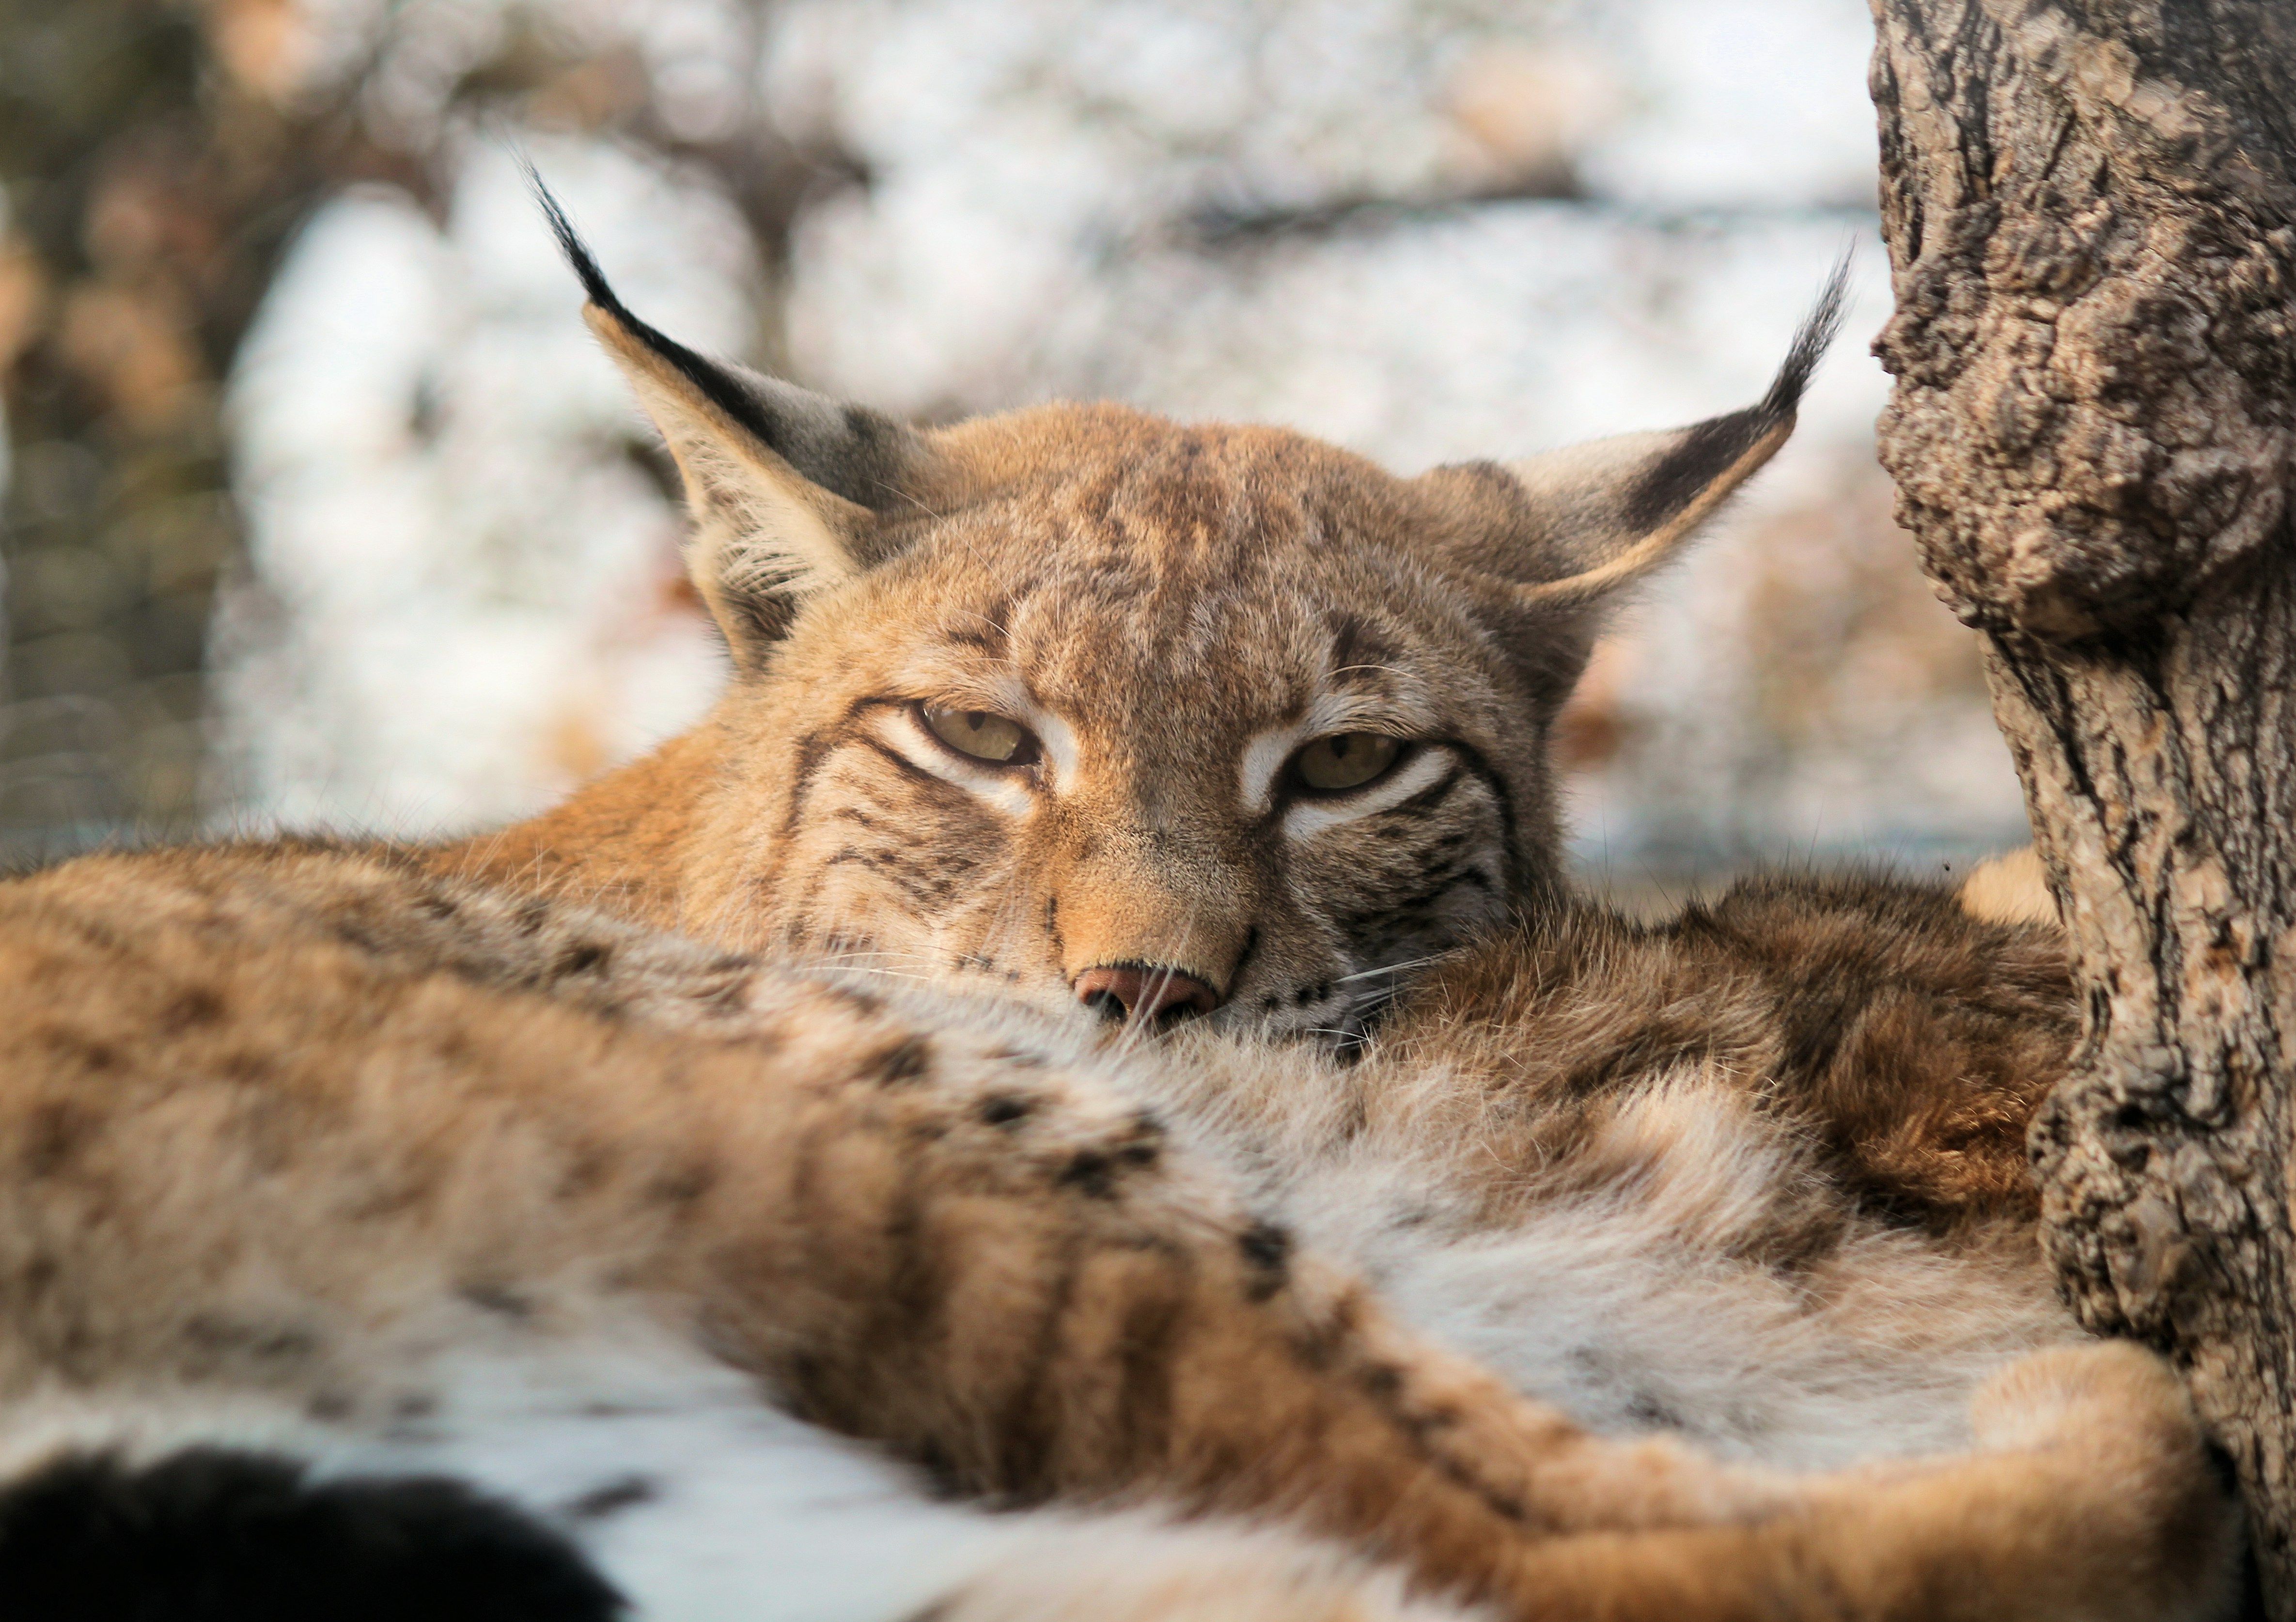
pixel 2091 213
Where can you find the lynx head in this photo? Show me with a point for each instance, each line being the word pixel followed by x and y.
pixel 1162 718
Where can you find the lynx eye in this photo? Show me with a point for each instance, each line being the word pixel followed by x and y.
pixel 982 734
pixel 1345 760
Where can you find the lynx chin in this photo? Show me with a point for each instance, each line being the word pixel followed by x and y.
pixel 1080 1091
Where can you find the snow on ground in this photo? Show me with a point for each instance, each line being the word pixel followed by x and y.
pixel 1429 229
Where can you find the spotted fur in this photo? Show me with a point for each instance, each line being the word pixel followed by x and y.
pixel 1677 1272
pixel 312 1153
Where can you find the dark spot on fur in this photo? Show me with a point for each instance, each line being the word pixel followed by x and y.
pixel 72 1047
pixel 1266 1249
pixel 246 1067
pixel 685 1186
pixel 730 1000
pixel 210 1535
pixel 983 633
pixel 52 1136
pixel 905 1061
pixel 1265 1244
pixel 497 1298
pixel 1005 1108
pixel 859 1001
pixel 285 1345
pixel 1359 655
pixel 1091 1171
pixel 1652 1413
pixel 1426 1422
pixel 588 1170
pixel 270 1342
pixel 194 1006
pixel 582 957
pixel 610 1497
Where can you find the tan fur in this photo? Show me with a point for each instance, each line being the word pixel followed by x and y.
pixel 300 1125
pixel 1908 1044
pixel 1059 567
pixel 272 1087
pixel 292 1121
pixel 2010 889
pixel 792 819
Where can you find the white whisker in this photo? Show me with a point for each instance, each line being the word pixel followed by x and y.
pixel 1405 967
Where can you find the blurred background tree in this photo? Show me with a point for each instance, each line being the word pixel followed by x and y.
pixel 153 177
pixel 159 159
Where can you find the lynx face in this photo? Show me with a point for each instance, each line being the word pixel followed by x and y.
pixel 1161 721
pixel 1182 722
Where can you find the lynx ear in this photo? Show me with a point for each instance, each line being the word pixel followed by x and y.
pixel 785 486
pixel 1603 514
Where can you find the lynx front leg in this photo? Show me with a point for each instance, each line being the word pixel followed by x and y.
pixel 990 1262
pixel 271 1159
pixel 265 1156
pixel 2091 1497
pixel 987 1261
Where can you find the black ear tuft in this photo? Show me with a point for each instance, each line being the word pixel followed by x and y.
pixel 863 456
pixel 1708 448
pixel 722 388
pixel 570 244
pixel 1818 330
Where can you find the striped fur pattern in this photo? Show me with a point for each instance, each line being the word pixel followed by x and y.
pixel 313 1156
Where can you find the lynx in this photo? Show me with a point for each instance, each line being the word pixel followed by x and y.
pixel 1085 704
pixel 1080 1091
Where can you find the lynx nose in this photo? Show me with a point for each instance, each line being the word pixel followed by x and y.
pixel 1149 992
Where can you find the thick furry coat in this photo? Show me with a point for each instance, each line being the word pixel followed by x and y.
pixel 318 1156
pixel 725 1192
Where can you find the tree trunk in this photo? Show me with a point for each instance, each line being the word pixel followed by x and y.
pixel 2091 213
